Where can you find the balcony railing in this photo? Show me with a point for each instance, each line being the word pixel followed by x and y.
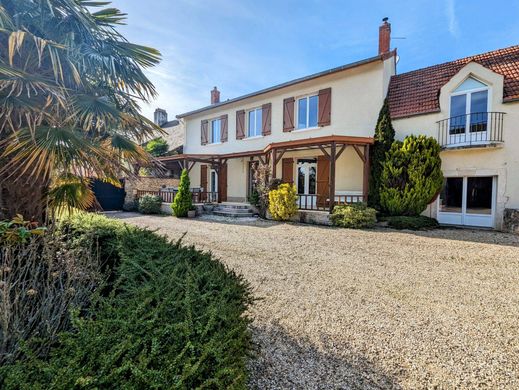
pixel 169 196
pixel 478 128
pixel 322 202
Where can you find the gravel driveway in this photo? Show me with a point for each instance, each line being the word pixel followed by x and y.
pixel 342 308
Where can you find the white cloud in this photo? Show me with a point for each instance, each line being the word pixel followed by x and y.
pixel 450 11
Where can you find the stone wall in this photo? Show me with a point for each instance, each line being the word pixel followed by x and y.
pixel 511 221
pixel 148 183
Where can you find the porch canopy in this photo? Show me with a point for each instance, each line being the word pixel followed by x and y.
pixel 331 146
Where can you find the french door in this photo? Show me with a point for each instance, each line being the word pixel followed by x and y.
pixel 307 182
pixel 468 201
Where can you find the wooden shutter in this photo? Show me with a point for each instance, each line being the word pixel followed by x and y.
pixel 240 124
pixel 323 180
pixel 266 125
pixel 203 132
pixel 224 136
pixel 288 114
pixel 222 183
pixel 203 177
pixel 287 170
pixel 325 107
pixel 203 183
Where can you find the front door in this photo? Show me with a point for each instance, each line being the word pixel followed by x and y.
pixel 306 182
pixel 468 201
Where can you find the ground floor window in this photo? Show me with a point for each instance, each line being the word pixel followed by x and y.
pixel 468 201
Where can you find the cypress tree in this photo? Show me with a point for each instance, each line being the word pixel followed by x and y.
pixel 183 201
pixel 384 137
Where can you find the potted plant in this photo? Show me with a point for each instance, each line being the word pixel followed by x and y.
pixel 191 213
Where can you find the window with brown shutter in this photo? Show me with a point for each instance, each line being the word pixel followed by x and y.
pixel 203 132
pixel 325 107
pixel 288 114
pixel 240 124
pixel 224 137
pixel 266 125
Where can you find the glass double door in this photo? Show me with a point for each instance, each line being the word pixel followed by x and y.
pixel 468 201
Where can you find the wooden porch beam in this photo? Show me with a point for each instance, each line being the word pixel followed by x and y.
pixel 331 180
pixel 190 165
pixel 342 149
pixel 325 152
pixel 365 184
pixel 279 156
pixel 274 163
pixel 362 156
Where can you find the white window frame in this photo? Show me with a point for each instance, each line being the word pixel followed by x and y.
pixel 213 180
pixel 307 97
pixel 210 135
pixel 255 110
pixel 468 95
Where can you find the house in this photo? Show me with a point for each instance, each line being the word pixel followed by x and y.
pixel 471 106
pixel 316 132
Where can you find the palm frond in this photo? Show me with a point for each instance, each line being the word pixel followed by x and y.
pixel 71 192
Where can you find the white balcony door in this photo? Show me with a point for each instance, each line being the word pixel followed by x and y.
pixel 469 107
pixel 469 201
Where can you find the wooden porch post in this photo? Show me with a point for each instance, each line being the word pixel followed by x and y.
pixel 365 186
pixel 331 195
pixel 274 163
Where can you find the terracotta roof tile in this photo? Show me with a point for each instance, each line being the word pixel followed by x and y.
pixel 417 92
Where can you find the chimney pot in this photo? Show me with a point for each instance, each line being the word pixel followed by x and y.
pixel 384 37
pixel 160 116
pixel 215 96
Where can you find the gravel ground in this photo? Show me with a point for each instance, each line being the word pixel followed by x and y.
pixel 342 308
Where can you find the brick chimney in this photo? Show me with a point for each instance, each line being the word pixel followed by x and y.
pixel 215 96
pixel 384 37
pixel 160 116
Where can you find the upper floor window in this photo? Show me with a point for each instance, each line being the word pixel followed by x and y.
pixel 254 122
pixel 469 107
pixel 216 129
pixel 307 112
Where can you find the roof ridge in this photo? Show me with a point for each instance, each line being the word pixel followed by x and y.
pixel 471 57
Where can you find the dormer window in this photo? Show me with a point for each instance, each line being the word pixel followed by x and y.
pixel 469 108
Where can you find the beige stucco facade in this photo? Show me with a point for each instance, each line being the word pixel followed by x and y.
pixel 357 95
pixel 499 160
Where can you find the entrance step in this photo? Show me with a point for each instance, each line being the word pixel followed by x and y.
pixel 235 210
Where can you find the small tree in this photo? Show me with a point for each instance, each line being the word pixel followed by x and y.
pixel 183 201
pixel 412 176
pixel 384 137
pixel 157 147
pixel 283 202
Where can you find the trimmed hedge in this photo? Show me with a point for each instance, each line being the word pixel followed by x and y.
pixel 354 216
pixel 173 319
pixel 419 222
pixel 149 204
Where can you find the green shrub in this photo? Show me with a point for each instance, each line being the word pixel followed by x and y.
pixel 149 204
pixel 419 222
pixel 354 216
pixel 157 147
pixel 175 319
pixel 412 176
pixel 183 199
pixel 384 137
pixel 283 202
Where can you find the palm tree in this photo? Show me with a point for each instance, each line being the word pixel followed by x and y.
pixel 70 88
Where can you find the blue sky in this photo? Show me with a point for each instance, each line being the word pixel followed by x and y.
pixel 243 45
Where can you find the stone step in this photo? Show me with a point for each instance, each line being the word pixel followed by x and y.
pixel 237 206
pixel 233 214
pixel 237 211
